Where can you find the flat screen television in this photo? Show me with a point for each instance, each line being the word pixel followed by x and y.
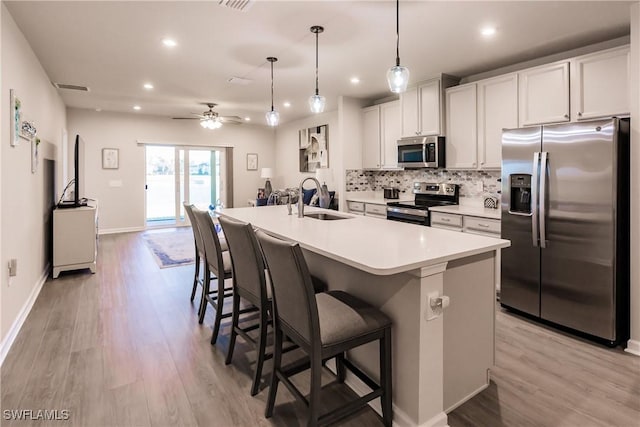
pixel 75 182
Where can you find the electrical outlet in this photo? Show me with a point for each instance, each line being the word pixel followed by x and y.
pixel 13 267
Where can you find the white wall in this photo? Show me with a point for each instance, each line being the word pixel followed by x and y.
pixel 22 193
pixel 122 208
pixel 634 343
pixel 287 161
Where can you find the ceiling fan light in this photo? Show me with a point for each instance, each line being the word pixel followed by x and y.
pixel 273 118
pixel 317 103
pixel 398 78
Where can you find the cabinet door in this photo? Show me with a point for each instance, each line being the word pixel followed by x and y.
pixel 409 112
pixel 600 84
pixel 371 137
pixel 544 94
pixel 429 96
pixel 390 133
pixel 461 141
pixel 497 110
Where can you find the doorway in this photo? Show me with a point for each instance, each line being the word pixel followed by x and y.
pixel 169 182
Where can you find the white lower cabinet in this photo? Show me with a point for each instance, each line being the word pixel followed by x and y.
pixel 355 207
pixel 447 221
pixel 375 210
pixel 75 232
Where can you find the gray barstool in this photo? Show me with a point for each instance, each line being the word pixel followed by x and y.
pixel 218 264
pixel 199 245
pixel 325 326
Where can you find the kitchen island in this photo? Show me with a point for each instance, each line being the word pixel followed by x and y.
pixel 441 357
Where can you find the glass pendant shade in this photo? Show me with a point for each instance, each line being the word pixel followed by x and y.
pixel 211 124
pixel 316 103
pixel 273 118
pixel 398 78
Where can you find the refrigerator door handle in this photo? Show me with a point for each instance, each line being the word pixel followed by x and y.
pixel 543 196
pixel 534 199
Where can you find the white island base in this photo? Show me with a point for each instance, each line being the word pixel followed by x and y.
pixel 439 361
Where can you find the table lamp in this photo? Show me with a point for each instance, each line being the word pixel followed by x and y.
pixel 267 173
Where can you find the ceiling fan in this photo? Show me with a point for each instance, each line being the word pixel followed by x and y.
pixel 211 119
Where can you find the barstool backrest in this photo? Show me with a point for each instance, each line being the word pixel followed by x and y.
pixel 212 249
pixel 194 227
pixel 246 257
pixel 293 292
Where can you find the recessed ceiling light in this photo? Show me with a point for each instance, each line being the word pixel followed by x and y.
pixel 286 104
pixel 247 119
pixel 169 42
pixel 488 31
pixel 148 86
pixel 355 80
pixel 137 107
pixel 98 109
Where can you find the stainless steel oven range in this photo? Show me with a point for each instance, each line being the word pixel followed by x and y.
pixel 427 195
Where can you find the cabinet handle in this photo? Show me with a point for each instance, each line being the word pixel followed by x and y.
pixel 483 225
pixel 566 116
pixel 445 219
pixel 579 113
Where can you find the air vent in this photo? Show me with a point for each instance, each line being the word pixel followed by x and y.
pixel 241 5
pixel 239 81
pixel 71 87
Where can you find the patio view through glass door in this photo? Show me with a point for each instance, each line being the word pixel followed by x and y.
pixel 169 182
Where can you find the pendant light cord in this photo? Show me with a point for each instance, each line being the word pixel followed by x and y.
pixel 271 85
pixel 317 92
pixel 397 33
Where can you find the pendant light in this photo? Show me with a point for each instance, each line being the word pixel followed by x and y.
pixel 398 76
pixel 273 117
pixel 317 101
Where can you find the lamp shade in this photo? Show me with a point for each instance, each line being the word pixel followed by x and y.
pixel 266 173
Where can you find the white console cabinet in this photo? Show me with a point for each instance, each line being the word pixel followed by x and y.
pixel 75 232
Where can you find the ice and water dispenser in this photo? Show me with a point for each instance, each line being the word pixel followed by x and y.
pixel 520 188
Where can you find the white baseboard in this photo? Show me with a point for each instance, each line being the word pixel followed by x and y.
pixel 633 347
pixel 7 342
pixel 400 418
pixel 120 230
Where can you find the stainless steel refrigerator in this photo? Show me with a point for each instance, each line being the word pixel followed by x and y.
pixel 565 209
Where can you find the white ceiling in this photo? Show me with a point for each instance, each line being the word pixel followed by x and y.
pixel 114 47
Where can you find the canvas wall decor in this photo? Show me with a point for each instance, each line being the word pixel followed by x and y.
pixel 314 148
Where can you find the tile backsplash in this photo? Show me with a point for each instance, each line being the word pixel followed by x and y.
pixel 368 180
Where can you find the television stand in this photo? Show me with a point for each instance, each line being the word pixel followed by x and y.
pixel 75 231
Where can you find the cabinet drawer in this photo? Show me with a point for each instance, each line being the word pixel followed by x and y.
pixel 450 220
pixel 355 206
pixel 376 209
pixel 484 225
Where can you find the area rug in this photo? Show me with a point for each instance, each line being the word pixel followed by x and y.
pixel 171 248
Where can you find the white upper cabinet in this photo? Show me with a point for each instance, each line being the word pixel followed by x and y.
pixel 422 107
pixel 381 131
pixel 544 94
pixel 461 141
pixel 497 110
pixel 371 137
pixel 600 84
pixel 389 133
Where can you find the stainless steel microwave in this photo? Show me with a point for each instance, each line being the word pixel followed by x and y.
pixel 421 152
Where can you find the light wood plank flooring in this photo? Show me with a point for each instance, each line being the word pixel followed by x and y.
pixel 123 348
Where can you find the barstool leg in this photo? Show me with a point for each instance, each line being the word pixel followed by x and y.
pixel 205 292
pixel 235 314
pixel 262 344
pixel 340 369
pixel 273 386
pixel 196 276
pixel 385 378
pixel 314 395
pixel 219 306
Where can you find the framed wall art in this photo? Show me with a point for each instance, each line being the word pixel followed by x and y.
pixel 313 148
pixel 110 158
pixel 252 161
pixel 16 118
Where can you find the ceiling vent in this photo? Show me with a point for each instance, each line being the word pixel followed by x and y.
pixel 241 5
pixel 71 87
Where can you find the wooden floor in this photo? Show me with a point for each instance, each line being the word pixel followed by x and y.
pixel 123 348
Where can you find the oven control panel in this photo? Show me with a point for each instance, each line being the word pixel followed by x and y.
pixel 435 188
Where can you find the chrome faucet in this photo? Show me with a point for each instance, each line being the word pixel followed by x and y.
pixel 300 202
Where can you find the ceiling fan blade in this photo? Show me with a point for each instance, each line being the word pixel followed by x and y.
pixel 185 118
pixel 231 119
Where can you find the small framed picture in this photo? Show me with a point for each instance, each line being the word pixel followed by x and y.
pixel 109 158
pixel 252 161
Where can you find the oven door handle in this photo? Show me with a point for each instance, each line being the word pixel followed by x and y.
pixel 414 212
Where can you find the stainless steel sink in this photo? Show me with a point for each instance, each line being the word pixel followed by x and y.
pixel 325 216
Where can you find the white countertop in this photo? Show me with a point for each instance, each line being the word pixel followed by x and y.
pixel 376 197
pixel 377 247
pixel 471 210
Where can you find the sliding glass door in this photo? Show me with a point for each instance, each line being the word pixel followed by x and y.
pixel 177 174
